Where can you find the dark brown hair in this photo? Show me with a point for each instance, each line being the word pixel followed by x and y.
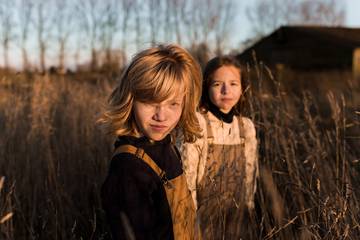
pixel 210 68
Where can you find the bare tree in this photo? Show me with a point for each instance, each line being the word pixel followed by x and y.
pixel 168 20
pixel 25 11
pixel 6 28
pixel 79 45
pixel 42 25
pixel 266 15
pixel 63 23
pixel 203 22
pixel 175 16
pixel 138 8
pixel 225 23
pixel 128 7
pixel 90 19
pixel 322 12
pixel 96 25
pixel 109 28
pixel 191 21
pixel 154 19
pixel 205 19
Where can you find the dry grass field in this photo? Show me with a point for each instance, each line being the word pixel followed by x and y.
pixel 53 159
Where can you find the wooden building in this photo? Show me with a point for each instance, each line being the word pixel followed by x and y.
pixel 309 48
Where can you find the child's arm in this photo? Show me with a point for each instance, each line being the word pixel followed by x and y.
pixel 251 156
pixel 127 200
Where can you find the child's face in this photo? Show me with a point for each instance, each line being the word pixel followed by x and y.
pixel 156 120
pixel 225 88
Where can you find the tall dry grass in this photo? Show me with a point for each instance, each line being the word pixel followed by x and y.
pixel 54 159
pixel 53 155
pixel 6 227
pixel 309 158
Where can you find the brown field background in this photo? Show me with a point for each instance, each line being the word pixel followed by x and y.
pixel 54 157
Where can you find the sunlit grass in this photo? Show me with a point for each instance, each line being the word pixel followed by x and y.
pixel 54 160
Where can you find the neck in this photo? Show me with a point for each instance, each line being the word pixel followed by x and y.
pixel 226 117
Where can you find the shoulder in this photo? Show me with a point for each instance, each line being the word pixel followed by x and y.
pixel 131 171
pixel 249 127
pixel 127 164
pixel 202 123
pixel 184 146
pixel 201 119
pixel 127 176
pixel 123 163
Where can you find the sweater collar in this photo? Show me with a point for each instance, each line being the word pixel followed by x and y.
pixel 141 141
pixel 226 117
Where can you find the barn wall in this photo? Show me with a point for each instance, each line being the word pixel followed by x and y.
pixel 356 63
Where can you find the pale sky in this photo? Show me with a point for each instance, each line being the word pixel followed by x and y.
pixel 353 13
pixel 242 27
pixel 352 8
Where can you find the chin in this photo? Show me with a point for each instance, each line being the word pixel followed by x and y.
pixel 224 109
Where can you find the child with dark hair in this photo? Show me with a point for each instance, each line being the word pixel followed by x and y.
pixel 222 166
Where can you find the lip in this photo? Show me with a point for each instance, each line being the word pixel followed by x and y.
pixel 158 127
pixel 226 99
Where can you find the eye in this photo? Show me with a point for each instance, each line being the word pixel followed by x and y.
pixel 175 104
pixel 234 83
pixel 215 84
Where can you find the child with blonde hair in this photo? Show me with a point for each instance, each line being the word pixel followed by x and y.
pixel 145 195
pixel 221 167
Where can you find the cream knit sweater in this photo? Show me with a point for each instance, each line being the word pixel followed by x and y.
pixel 194 155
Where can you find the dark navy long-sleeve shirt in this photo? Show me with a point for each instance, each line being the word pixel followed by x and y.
pixel 133 195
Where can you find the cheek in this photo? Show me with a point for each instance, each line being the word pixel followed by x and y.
pixel 137 118
pixel 175 115
pixel 140 116
pixel 212 94
pixel 238 92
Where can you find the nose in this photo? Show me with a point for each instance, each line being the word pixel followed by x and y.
pixel 224 89
pixel 159 114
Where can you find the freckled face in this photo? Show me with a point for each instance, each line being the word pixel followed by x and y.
pixel 225 88
pixel 156 120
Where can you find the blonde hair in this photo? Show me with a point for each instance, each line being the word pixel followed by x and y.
pixel 153 75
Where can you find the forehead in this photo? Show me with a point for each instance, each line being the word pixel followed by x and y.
pixel 227 73
pixel 174 95
pixel 165 89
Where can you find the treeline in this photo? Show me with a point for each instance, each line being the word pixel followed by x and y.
pixel 67 32
pixel 105 31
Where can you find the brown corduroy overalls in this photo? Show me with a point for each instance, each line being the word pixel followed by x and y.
pixel 221 191
pixel 177 193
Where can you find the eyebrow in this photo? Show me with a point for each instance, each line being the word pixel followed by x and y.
pixel 177 99
pixel 232 80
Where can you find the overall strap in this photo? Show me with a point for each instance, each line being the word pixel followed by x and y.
pixel 210 134
pixel 140 153
pixel 241 129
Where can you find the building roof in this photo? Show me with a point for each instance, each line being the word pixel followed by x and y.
pixel 306 47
